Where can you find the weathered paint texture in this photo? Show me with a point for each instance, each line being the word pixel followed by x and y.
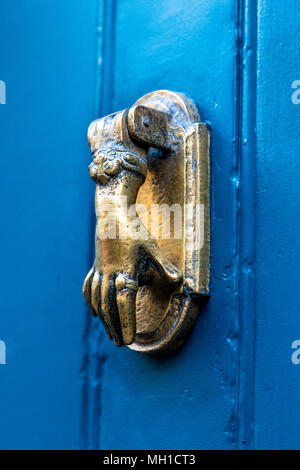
pixel 233 385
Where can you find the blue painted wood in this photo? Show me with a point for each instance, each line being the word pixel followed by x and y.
pixel 233 385
pixel 277 398
pixel 245 217
pixel 190 400
pixel 48 62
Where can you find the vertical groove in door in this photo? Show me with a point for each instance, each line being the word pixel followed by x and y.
pixel 94 356
pixel 245 222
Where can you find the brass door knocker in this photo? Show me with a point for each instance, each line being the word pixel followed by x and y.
pixel 152 233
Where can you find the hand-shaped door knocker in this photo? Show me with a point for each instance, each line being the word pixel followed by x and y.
pixel 152 234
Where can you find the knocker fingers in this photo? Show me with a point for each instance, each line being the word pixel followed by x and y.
pixel 110 309
pixel 87 290
pixel 112 299
pixel 166 270
pixel 126 297
pixel 96 301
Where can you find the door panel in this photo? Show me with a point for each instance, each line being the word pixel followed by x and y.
pixel 188 400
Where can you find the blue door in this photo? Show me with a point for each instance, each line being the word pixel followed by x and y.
pixel 234 384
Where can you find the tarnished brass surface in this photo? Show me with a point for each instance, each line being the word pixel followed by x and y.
pixel 146 286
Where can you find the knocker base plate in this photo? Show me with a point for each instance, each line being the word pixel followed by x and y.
pixel 177 177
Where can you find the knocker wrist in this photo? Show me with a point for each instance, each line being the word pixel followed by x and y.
pixel 110 161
